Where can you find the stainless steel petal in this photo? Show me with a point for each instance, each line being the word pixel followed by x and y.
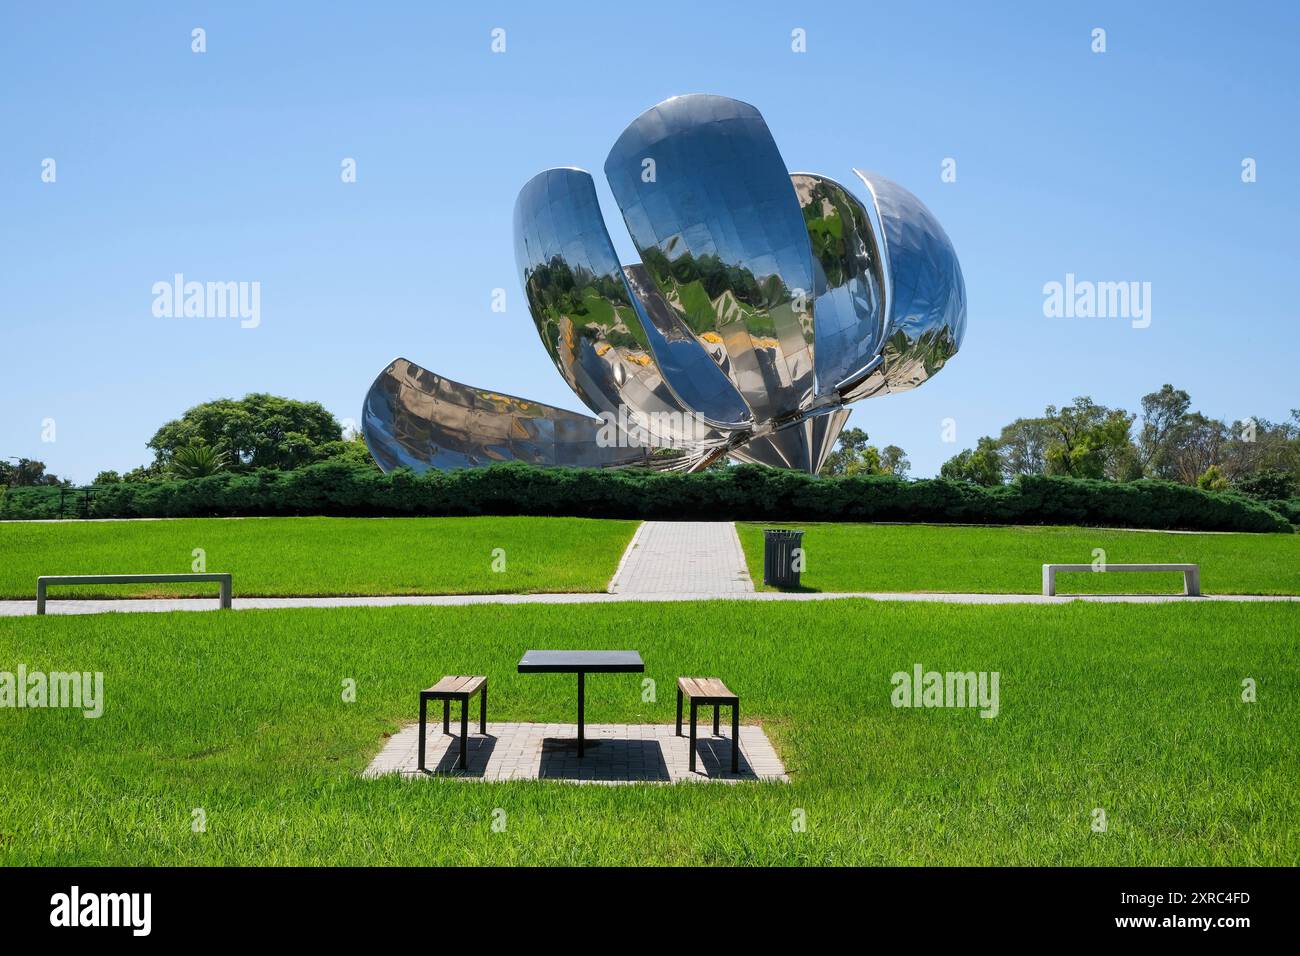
pixel 848 281
pixel 590 323
pixel 927 319
pixel 696 375
pixel 711 209
pixel 803 445
pixel 414 418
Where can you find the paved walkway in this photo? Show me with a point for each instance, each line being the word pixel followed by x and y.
pixel 615 753
pixel 24 608
pixel 684 558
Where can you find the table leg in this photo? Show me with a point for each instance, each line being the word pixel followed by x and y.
pixel 446 715
pixel 582 693
pixel 679 711
pixel 716 707
pixel 482 711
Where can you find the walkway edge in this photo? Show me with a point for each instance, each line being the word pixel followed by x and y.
pixel 11 608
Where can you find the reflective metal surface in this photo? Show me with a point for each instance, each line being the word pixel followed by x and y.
pixel 927 315
pixel 848 280
pixel 722 237
pixel 764 303
pixel 589 322
pixel 416 419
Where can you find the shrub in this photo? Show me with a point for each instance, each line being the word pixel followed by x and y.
pixel 746 492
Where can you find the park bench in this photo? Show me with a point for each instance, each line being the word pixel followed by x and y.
pixel 709 690
pixel 45 580
pixel 1191 574
pixel 461 688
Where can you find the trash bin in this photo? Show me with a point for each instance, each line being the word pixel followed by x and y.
pixel 781 565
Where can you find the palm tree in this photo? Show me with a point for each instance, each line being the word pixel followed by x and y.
pixel 195 461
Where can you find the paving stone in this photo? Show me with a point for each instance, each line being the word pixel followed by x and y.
pixel 615 754
pixel 684 558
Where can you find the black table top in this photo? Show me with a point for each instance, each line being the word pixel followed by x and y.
pixel 570 662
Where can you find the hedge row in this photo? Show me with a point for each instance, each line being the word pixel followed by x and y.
pixel 747 492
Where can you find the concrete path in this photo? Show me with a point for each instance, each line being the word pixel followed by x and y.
pixel 24 608
pixel 615 753
pixel 684 558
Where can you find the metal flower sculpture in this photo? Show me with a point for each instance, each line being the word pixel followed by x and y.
pixel 763 304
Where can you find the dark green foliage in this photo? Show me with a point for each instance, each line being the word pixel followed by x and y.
pixel 747 492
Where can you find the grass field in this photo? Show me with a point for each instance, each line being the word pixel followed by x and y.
pixel 305 556
pixel 1136 710
pixel 880 557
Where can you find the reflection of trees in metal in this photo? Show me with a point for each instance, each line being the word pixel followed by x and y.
pixel 764 302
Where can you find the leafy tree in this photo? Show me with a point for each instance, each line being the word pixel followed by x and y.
pixel 1090 441
pixel 855 457
pixel 852 442
pixel 353 450
pixel 1164 424
pixel 107 478
pixel 893 461
pixel 28 472
pixel 195 461
pixel 1212 480
pixel 1269 484
pixel 150 472
pixel 983 465
pixel 1023 445
pixel 256 431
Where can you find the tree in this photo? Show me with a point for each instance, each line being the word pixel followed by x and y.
pixel 195 461
pixel 1212 480
pixel 1269 484
pixel 1164 422
pixel 28 472
pixel 1023 445
pixel 893 461
pixel 983 465
pixel 256 431
pixel 855 457
pixel 107 478
pixel 1200 445
pixel 1091 441
pixel 852 442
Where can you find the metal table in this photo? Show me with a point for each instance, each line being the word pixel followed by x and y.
pixel 581 663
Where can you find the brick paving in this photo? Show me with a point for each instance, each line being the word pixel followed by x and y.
pixel 685 558
pixel 615 754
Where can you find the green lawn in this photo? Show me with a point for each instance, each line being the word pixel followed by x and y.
pixel 303 556
pixel 881 557
pixel 1136 710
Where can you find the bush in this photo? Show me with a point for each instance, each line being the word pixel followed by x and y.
pixel 746 492
pixel 1288 509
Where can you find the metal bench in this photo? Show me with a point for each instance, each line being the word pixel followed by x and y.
pixel 709 690
pixel 45 580
pixel 460 688
pixel 1191 574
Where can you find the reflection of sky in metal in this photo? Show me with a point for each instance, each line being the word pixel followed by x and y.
pixel 927 319
pixel 721 235
pixel 763 304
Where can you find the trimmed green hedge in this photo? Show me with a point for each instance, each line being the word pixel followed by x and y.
pixel 748 492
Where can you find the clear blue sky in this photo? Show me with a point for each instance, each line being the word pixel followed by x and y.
pixel 225 166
